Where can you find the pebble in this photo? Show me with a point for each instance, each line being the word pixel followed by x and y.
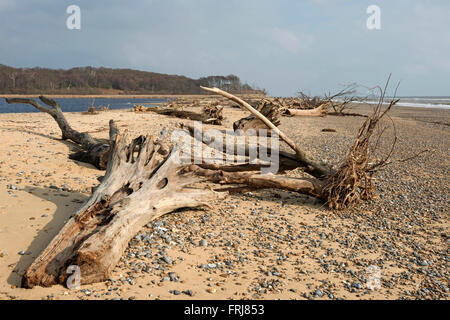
pixel 167 259
pixel 211 290
pixel 318 293
pixel 356 285
pixel 189 292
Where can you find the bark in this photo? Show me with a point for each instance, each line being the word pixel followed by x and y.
pixel 93 151
pixel 308 186
pixel 287 160
pixel 137 188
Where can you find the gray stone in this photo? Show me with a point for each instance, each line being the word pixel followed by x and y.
pixel 318 293
pixel 167 259
pixel 356 285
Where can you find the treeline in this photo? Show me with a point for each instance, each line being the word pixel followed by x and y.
pixel 89 80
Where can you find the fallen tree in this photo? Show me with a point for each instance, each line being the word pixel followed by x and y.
pixel 337 104
pixel 344 187
pixel 93 151
pixel 211 113
pixel 271 111
pixel 137 188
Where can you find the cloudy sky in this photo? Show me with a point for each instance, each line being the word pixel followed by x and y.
pixel 281 45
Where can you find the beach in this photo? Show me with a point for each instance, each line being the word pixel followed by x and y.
pixel 255 245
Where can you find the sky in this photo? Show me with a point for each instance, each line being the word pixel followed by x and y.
pixel 284 46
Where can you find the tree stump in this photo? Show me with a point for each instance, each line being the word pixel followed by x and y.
pixel 137 188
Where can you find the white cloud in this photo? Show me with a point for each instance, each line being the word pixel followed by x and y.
pixel 291 41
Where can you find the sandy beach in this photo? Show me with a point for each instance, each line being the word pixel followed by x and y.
pixel 257 245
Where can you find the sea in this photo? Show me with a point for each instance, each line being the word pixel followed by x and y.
pixel 81 104
pixel 421 102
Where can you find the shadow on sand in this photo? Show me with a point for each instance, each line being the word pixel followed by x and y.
pixel 73 147
pixel 67 203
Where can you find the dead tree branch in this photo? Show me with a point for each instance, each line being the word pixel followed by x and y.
pixel 301 156
pixel 94 151
pixel 348 185
pixel 211 113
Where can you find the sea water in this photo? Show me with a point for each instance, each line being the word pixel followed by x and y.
pixel 422 102
pixel 80 104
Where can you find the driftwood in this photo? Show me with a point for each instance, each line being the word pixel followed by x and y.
pixel 320 111
pixel 92 110
pixel 344 187
pixel 140 185
pixel 137 188
pixel 139 108
pixel 266 108
pixel 93 151
pixel 211 114
pixel 308 186
pixel 300 155
pixel 287 160
pixel 336 104
pixel 273 108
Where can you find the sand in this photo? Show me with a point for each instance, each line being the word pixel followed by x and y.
pixel 260 245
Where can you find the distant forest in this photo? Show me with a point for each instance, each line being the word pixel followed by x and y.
pixel 89 80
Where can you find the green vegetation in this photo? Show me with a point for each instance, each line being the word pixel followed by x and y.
pixel 89 80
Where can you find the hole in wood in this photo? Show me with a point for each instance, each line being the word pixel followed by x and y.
pixel 161 184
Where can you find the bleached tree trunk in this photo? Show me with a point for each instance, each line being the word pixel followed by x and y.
pixel 317 112
pixel 136 189
pixel 93 151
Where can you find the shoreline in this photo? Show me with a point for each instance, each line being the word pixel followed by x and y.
pixel 188 96
pixel 117 96
pixel 361 107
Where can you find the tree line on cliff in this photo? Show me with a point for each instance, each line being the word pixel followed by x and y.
pixel 90 80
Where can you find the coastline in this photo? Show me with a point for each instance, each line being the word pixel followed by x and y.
pixel 120 96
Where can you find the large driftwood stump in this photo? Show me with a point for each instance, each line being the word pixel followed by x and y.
pixel 136 189
pixel 93 151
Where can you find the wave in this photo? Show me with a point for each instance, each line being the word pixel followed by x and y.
pixel 410 104
pixel 424 105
